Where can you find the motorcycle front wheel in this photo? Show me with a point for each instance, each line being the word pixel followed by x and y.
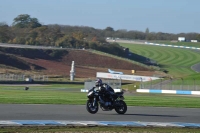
pixel 92 108
pixel 120 107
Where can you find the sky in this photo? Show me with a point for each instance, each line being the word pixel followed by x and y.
pixel 169 16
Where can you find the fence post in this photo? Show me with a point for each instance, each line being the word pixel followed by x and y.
pixel 171 82
pixel 194 85
pixel 161 84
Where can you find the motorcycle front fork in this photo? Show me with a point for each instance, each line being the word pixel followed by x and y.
pixel 94 102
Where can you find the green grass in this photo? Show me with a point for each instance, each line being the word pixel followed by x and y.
pixel 175 60
pixel 195 76
pixel 73 96
pixel 48 94
pixel 161 100
pixel 100 129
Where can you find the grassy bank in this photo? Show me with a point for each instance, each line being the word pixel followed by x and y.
pixel 176 61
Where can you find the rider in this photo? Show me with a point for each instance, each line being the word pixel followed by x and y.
pixel 105 88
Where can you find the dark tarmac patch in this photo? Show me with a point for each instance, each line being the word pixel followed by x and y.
pixel 196 67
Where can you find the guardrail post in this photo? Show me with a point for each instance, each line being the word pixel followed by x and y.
pixel 182 84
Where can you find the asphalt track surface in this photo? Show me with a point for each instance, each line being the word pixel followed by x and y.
pixel 79 113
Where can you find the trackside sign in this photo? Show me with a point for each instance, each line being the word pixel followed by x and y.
pixel 125 77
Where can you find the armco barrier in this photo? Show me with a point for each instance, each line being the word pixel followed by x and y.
pixel 97 123
pixel 181 92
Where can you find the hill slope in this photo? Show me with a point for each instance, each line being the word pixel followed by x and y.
pixel 52 62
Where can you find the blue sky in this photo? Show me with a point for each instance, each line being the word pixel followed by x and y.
pixel 171 16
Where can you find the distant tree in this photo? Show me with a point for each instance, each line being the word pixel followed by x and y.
pixel 93 45
pixel 198 37
pixel 25 21
pixel 34 23
pixel 109 29
pixel 108 32
pixel 147 31
pixel 4 32
pixel 66 41
pixel 119 34
pixel 78 35
pixel 147 34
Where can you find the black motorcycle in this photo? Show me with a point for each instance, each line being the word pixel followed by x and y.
pixel 96 97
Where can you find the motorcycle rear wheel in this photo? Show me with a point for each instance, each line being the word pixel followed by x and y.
pixel 121 107
pixel 90 108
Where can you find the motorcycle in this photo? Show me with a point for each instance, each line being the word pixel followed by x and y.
pixel 98 98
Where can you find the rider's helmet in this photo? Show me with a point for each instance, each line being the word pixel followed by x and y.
pixel 98 82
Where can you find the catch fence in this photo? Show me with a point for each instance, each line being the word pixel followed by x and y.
pixel 19 77
pixel 172 84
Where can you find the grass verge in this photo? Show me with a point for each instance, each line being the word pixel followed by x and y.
pixel 70 94
pixel 92 129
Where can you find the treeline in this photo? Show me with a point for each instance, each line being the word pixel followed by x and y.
pixel 147 35
pixel 29 31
